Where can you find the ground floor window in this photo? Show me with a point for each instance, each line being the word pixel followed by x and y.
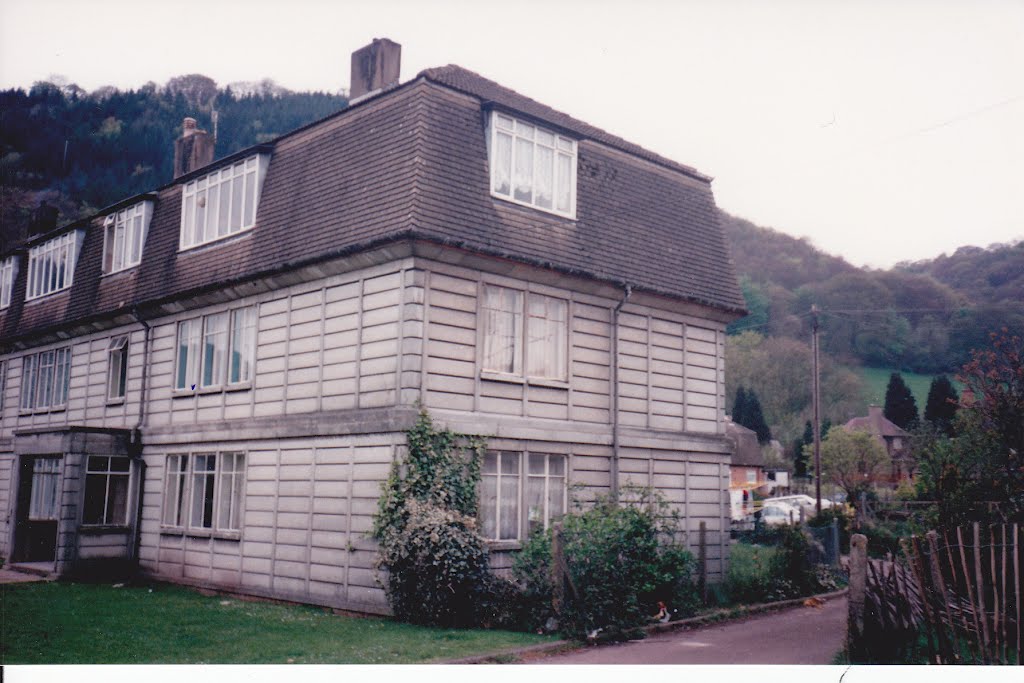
pixel 204 491
pixel 106 490
pixel 520 493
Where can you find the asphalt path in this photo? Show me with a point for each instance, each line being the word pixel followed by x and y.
pixel 797 635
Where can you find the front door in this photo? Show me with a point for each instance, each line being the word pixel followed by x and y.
pixel 38 509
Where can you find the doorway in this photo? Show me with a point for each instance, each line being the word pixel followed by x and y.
pixel 38 509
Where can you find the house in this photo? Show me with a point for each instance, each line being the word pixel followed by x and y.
pixel 747 473
pixel 208 383
pixel 895 440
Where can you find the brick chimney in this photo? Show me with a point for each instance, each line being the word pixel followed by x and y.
pixel 194 149
pixel 374 68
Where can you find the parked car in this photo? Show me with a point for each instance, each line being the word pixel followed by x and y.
pixel 778 515
pixel 801 501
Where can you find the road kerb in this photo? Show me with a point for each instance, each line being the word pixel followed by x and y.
pixel 716 617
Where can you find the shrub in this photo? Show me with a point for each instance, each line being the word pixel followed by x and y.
pixel 843 515
pixel 437 570
pixel 622 558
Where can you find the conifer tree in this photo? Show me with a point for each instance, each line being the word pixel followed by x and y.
pixel 755 419
pixel 739 406
pixel 900 406
pixel 940 409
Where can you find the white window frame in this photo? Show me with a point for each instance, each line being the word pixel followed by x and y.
pixel 51 265
pixel 117 367
pixel 108 474
pixel 513 139
pixel 8 273
pixel 124 236
pixel 195 488
pixel 215 356
pixel 51 394
pixel 523 477
pixel 205 218
pixel 530 349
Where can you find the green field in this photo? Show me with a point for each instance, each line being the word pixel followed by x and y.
pixel 67 623
pixel 877 379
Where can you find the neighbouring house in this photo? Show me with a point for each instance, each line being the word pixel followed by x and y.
pixel 895 440
pixel 747 472
pixel 208 383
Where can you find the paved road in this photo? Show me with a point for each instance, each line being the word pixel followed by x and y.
pixel 798 635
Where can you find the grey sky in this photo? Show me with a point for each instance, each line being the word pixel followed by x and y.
pixel 883 131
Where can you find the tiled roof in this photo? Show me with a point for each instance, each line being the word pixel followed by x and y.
pixel 747 452
pixel 875 423
pixel 412 163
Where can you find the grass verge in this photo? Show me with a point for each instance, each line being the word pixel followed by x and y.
pixel 68 623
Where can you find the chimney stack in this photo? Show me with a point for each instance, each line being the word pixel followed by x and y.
pixel 374 68
pixel 43 219
pixel 194 149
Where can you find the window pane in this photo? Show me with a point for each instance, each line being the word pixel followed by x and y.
pixel 117 499
pixel 502 171
pixel 200 230
pixel 508 505
pixel 188 231
pixel 535 516
pixel 523 176
pixel 563 191
pixel 187 330
pixel 137 239
pixel 214 348
pixel 545 177
pixel 108 248
pixel 502 329
pixel 489 506
pixel 203 475
pixel 236 204
pixel 250 199
pixel 243 341
pixel 95 499
pixel 174 493
pixel 44 503
pixel 546 332
pixel 119 246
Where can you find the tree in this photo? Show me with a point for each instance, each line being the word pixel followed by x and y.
pixel 739 406
pixel 940 409
pixel 800 455
pixel 755 419
pixel 900 406
pixel 852 460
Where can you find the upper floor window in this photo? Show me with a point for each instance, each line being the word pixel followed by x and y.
pixel 532 166
pixel 540 346
pixel 44 379
pixel 117 367
pixel 124 234
pixel 222 203
pixel 8 271
pixel 216 349
pixel 51 265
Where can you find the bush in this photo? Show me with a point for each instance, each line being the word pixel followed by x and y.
pixel 843 515
pixel 774 564
pixel 622 558
pixel 437 569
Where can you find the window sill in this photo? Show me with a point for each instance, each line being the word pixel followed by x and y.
pixel 492 376
pixel 197 248
pixel 41 411
pixel 201 533
pixel 203 391
pixel 498 546
pixel 103 529
pixel 115 401
pixel 123 271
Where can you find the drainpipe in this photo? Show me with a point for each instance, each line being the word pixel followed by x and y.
pixel 136 436
pixel 615 391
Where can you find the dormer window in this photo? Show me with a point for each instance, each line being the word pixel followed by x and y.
pixel 51 265
pixel 532 166
pixel 222 203
pixel 8 271
pixel 124 234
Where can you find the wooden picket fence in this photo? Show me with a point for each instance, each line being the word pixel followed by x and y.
pixel 961 588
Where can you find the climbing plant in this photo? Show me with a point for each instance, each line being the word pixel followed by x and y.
pixel 434 560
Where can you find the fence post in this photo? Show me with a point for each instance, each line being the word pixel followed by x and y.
pixel 858 583
pixel 703 560
pixel 557 570
pixel 835 542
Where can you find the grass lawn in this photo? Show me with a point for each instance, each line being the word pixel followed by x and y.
pixel 67 623
pixel 877 379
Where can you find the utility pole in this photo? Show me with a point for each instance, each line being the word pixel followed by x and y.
pixel 816 400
